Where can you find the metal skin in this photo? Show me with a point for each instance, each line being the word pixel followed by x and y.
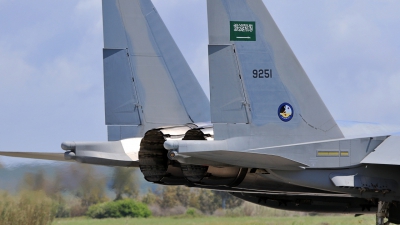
pixel 271 139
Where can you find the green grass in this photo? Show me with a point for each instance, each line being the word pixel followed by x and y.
pixel 306 220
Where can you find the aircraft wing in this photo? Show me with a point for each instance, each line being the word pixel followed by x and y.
pixel 249 160
pixel 36 155
pixel 386 153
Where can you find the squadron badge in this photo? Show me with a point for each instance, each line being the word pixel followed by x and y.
pixel 285 112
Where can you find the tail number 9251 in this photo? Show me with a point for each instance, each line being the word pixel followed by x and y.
pixel 262 73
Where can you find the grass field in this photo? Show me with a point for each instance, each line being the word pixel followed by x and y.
pixel 306 220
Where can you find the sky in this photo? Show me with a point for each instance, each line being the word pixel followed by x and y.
pixel 51 85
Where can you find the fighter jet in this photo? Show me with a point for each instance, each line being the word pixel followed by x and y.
pixel 265 136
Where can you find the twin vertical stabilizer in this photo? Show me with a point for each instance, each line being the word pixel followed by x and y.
pixel 258 87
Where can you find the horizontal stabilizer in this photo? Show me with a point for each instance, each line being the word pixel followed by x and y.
pixel 36 155
pixel 386 153
pixel 113 153
pixel 249 160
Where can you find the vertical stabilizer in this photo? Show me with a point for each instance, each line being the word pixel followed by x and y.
pixel 147 81
pixel 258 87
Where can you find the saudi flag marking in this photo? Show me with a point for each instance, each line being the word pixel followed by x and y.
pixel 243 31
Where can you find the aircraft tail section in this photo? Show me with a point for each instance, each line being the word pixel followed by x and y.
pixel 258 87
pixel 147 82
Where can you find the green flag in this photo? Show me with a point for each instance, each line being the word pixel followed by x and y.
pixel 243 31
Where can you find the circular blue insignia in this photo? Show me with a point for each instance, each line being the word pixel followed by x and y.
pixel 285 112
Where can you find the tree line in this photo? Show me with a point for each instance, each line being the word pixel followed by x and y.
pixel 74 188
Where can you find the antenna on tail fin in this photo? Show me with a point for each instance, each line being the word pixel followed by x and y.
pixel 258 87
pixel 147 82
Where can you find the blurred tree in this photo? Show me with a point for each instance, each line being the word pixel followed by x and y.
pixel 34 181
pixel 227 201
pixel 150 198
pixel 183 195
pixel 169 198
pixel 91 186
pixel 194 198
pixel 124 182
pixel 208 202
pixel 55 186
